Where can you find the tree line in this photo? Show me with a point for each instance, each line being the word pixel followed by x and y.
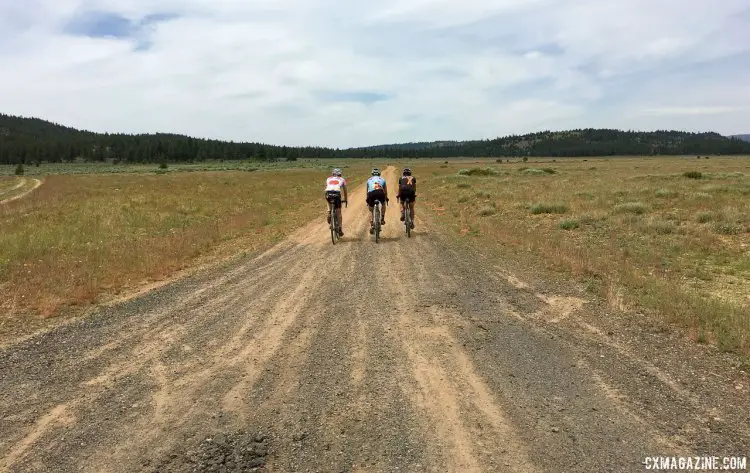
pixel 31 140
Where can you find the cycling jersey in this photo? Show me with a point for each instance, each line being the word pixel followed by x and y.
pixel 375 183
pixel 334 184
pixel 407 183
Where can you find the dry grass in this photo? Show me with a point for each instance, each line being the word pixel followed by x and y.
pixel 78 237
pixel 677 246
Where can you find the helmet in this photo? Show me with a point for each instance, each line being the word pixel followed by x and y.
pixel 336 172
pixel 407 172
pixel 375 171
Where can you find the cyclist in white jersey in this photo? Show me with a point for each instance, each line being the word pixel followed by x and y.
pixel 335 185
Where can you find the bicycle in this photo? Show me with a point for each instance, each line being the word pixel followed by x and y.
pixel 376 212
pixel 335 224
pixel 407 216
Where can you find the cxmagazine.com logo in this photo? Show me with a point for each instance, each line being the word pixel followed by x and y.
pixel 696 463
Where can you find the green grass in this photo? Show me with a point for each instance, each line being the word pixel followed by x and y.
pixel 537 209
pixel 569 224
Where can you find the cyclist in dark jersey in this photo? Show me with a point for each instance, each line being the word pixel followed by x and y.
pixel 407 189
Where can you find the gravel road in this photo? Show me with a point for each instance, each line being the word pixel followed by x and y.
pixel 407 355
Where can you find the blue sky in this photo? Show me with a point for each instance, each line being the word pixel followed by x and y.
pixel 342 73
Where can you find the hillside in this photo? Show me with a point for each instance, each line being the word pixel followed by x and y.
pixel 30 140
pixel 742 137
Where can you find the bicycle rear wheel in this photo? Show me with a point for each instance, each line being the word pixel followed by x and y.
pixel 407 219
pixel 332 225
pixel 376 214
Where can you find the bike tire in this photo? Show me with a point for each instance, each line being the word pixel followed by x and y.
pixel 407 219
pixel 338 225
pixel 332 225
pixel 377 223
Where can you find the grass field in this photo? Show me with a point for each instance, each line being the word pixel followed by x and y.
pixel 81 236
pixel 109 168
pixel 669 236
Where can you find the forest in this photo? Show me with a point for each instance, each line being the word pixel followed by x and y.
pixel 32 140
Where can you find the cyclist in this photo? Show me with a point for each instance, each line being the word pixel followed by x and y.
pixel 407 189
pixel 335 185
pixel 376 190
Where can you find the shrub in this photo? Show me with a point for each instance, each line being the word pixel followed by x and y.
pixel 665 193
pixel 487 211
pixel 478 172
pixel 728 228
pixel 19 169
pixel 163 165
pixel 533 172
pixel 636 208
pixel 569 224
pixel 704 217
pixel 525 159
pixel 463 185
pixel 537 209
pixel 693 174
pixel 549 170
pixel 661 227
pixel 483 195
pixel 463 199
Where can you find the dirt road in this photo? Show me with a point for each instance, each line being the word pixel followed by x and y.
pixel 408 355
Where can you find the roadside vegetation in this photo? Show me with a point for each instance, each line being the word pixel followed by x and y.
pixel 668 236
pixel 81 237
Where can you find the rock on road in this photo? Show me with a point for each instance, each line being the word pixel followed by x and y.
pixel 408 355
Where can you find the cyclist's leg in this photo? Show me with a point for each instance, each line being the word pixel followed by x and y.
pixel 411 212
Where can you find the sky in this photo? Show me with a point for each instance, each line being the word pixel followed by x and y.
pixel 353 73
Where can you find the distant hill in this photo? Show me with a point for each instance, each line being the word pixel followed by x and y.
pixel 31 140
pixel 742 137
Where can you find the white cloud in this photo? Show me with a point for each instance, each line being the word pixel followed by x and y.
pixel 291 71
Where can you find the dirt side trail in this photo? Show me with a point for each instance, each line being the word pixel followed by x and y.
pixel 22 182
pixel 319 358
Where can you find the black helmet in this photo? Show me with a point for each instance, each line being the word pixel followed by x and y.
pixel 407 172
pixel 375 171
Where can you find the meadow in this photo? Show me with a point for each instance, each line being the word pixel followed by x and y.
pixel 87 235
pixel 666 236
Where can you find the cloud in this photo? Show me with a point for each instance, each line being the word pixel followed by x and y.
pixel 328 72
pixel 677 111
